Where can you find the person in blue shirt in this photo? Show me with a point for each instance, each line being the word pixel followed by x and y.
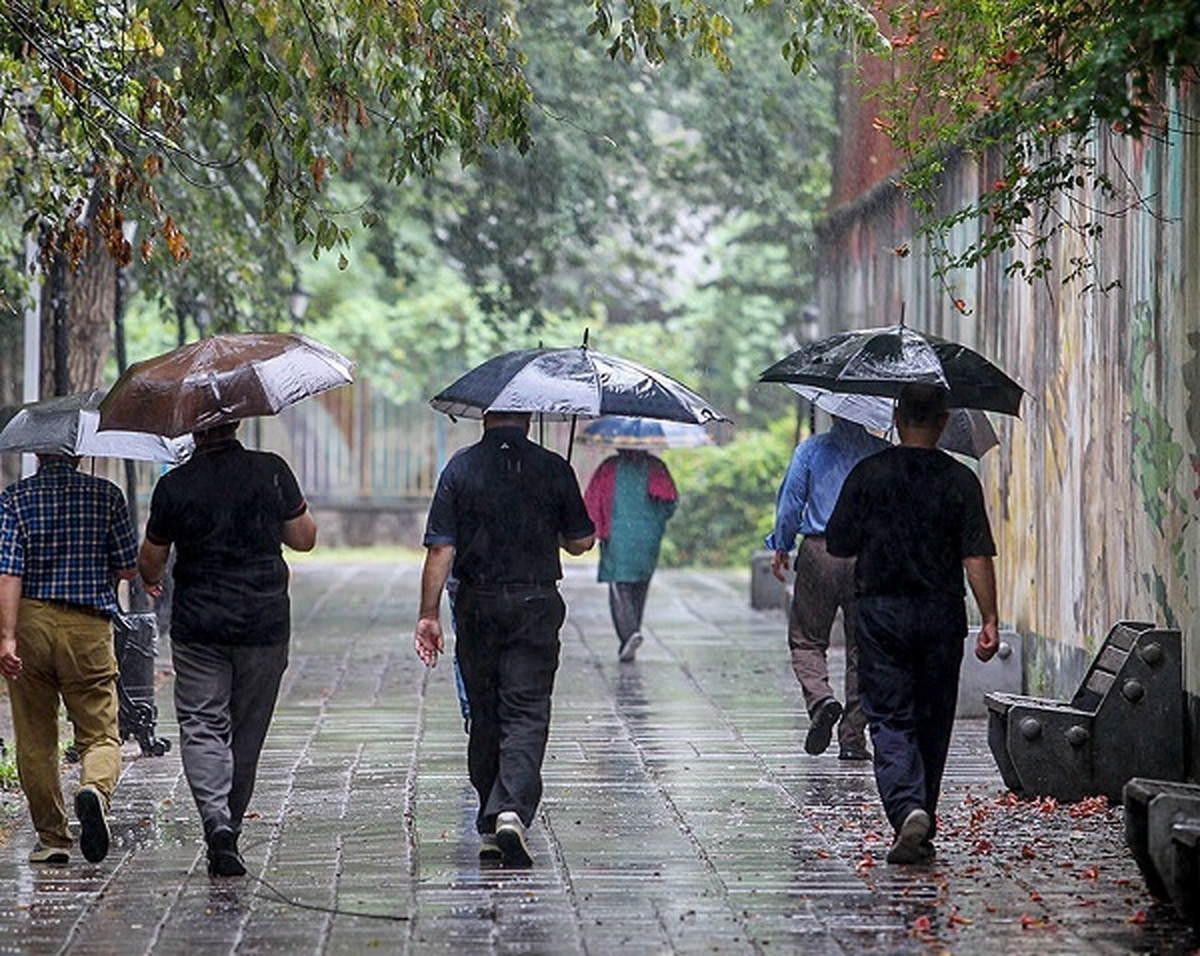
pixel 823 583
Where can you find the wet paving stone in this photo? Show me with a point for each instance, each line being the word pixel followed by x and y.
pixel 680 815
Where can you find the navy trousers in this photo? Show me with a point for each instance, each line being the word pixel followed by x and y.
pixel 507 648
pixel 910 652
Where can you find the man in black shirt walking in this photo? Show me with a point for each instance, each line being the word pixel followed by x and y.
pixel 914 518
pixel 502 509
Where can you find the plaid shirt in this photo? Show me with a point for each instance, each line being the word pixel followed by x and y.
pixel 65 535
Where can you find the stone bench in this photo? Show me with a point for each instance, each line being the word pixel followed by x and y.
pixel 1162 830
pixel 1126 720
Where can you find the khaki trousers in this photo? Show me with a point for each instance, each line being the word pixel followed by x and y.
pixel 823 584
pixel 66 655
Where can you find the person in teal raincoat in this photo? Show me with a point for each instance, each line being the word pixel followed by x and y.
pixel 630 498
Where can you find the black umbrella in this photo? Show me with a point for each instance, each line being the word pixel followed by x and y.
pixel 882 361
pixel 570 383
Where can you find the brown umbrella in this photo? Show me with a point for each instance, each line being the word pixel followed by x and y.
pixel 221 379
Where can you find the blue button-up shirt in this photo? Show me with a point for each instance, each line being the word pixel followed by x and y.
pixel 65 535
pixel 814 480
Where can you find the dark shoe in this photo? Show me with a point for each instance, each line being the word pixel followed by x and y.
pixel 93 827
pixel 629 647
pixel 909 838
pixel 854 753
pixel 827 713
pixel 489 849
pixel 223 856
pixel 510 837
pixel 927 851
pixel 50 855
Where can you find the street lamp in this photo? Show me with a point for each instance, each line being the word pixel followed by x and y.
pixel 298 299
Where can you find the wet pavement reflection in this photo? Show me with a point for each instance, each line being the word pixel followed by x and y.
pixel 680 814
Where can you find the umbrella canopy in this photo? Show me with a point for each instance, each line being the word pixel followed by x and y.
pixel 222 379
pixel 563 384
pixel 968 430
pixel 620 432
pixel 882 361
pixel 68 426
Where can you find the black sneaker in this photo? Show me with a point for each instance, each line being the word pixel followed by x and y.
pixel 858 752
pixel 223 856
pixel 824 716
pixel 910 839
pixel 93 827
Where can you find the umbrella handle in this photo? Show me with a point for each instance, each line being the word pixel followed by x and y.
pixel 571 438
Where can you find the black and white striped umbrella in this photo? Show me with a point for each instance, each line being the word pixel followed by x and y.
pixel 564 384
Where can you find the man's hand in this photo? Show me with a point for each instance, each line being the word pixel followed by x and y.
pixel 780 562
pixel 10 663
pixel 988 641
pixel 429 641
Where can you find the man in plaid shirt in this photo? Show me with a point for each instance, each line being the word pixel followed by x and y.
pixel 65 541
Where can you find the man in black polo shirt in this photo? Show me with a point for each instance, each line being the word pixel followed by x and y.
pixel 226 511
pixel 914 518
pixel 502 509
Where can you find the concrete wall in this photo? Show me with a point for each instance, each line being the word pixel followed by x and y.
pixel 1094 492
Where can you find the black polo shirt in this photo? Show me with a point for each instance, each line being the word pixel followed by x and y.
pixel 909 516
pixel 224 511
pixel 503 503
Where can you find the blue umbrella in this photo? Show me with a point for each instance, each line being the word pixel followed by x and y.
pixel 619 431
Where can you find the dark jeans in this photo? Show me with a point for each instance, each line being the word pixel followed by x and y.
pixel 508 652
pixel 627 604
pixel 909 654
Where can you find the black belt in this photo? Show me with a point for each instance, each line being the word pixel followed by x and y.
pixel 510 587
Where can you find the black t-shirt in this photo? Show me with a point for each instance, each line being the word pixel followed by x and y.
pixel 224 512
pixel 503 503
pixel 909 516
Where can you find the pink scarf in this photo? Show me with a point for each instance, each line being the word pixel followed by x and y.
pixel 602 489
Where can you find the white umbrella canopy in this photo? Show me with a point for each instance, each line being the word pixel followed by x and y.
pixel 968 430
pixel 617 431
pixel 67 425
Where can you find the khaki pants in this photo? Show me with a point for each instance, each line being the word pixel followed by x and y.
pixel 823 584
pixel 66 654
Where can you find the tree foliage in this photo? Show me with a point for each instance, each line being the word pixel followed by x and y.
pixel 1031 81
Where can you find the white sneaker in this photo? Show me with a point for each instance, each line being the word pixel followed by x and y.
pixel 50 855
pixel 510 837
pixel 629 649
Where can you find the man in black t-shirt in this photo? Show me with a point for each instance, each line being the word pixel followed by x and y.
pixel 226 512
pixel 502 509
pixel 914 518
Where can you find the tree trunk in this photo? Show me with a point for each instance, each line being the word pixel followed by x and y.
pixel 74 353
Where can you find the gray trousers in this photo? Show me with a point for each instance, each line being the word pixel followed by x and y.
pixel 823 584
pixel 627 604
pixel 224 698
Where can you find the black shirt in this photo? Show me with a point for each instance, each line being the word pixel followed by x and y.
pixel 503 504
pixel 224 511
pixel 910 516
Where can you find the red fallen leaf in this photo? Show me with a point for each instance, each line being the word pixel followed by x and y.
pixel 981 848
pixel 1028 852
pixel 1035 896
pixel 1031 922
pixel 866 862
pixel 1089 902
pixel 871 837
pixel 1047 804
pixel 957 919
pixel 822 854
pixel 1137 918
pixel 1091 873
pixel 923 926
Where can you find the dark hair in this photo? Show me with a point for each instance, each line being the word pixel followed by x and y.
pixel 216 432
pixel 921 405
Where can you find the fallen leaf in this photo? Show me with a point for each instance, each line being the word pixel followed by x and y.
pixel 1137 918
pixel 1031 922
pixel 957 919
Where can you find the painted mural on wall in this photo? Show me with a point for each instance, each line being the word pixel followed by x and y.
pixel 1095 491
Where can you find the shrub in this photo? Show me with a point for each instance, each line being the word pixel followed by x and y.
pixel 727 497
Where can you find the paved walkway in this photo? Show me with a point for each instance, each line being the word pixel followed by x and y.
pixel 680 815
